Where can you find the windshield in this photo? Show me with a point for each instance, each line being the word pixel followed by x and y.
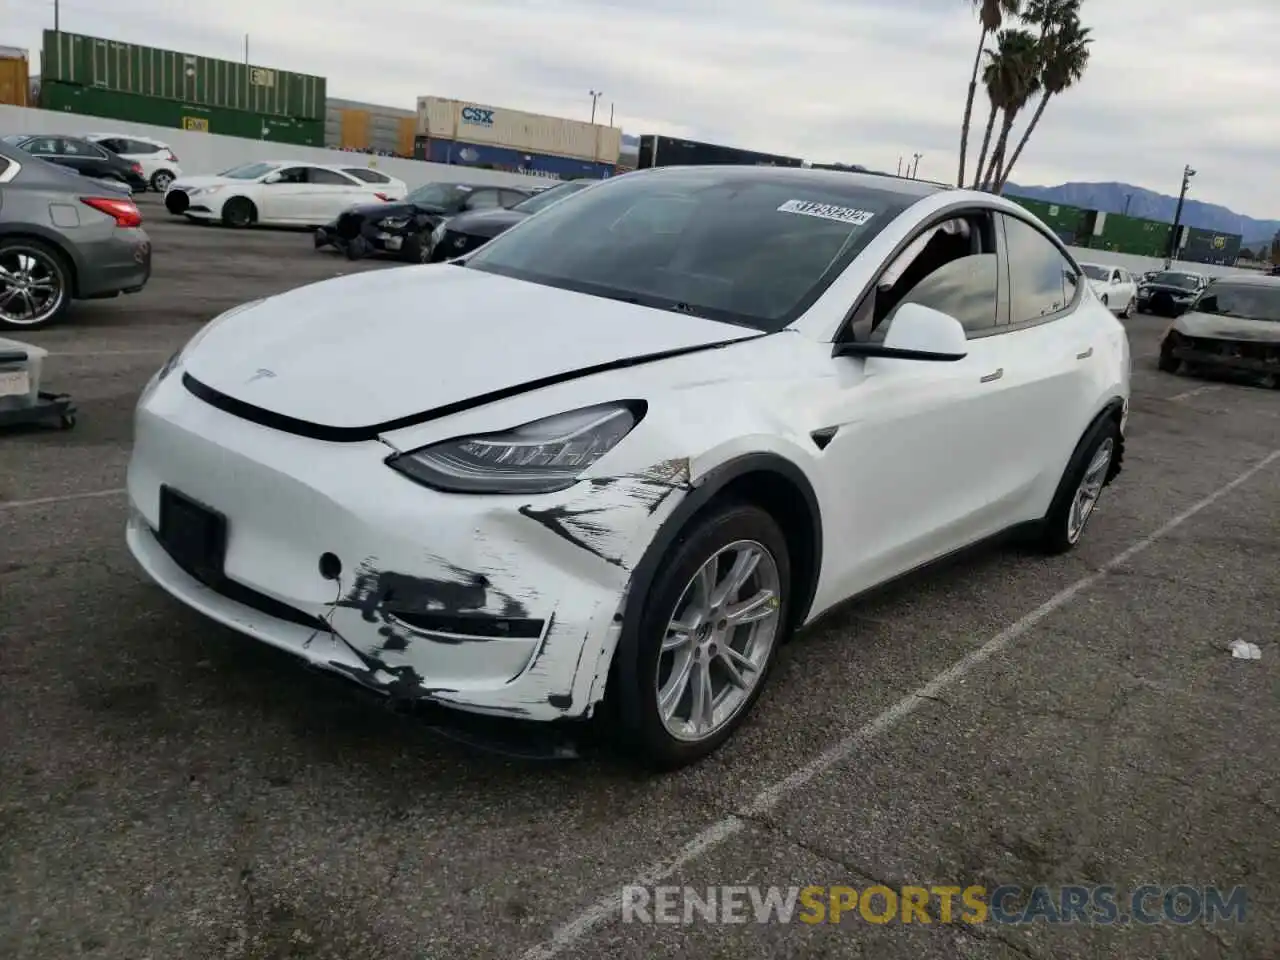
pixel 444 195
pixel 549 196
pixel 249 171
pixel 1245 301
pixel 754 249
pixel 1183 281
pixel 1095 272
pixel 14 138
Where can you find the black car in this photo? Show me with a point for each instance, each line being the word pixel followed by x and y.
pixel 405 227
pixel 465 232
pixel 1233 327
pixel 84 157
pixel 1167 293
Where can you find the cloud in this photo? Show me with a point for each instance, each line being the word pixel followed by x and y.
pixel 854 81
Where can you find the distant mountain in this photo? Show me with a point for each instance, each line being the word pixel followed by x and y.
pixel 1113 197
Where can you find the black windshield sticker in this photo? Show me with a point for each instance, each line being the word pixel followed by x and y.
pixel 827 211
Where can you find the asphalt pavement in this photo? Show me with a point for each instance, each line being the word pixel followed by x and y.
pixel 171 790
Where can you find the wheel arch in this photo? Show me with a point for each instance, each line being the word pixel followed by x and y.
pixel 766 479
pixel 49 239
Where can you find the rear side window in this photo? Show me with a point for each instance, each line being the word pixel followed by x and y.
pixel 366 175
pixel 115 145
pixel 1042 281
pixel 142 147
pixel 328 177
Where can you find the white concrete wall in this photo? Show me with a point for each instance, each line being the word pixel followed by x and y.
pixel 204 153
pixel 1140 265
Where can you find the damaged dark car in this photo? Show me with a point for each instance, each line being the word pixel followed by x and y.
pixel 1233 328
pixel 405 229
pixel 466 232
pixel 1168 293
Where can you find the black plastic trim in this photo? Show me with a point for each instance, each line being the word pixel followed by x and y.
pixel 316 431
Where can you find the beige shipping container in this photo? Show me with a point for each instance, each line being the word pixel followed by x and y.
pixel 467 122
pixel 15 79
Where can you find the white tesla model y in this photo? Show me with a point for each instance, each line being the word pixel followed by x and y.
pixel 619 453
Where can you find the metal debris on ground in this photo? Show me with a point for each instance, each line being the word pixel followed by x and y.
pixel 1243 650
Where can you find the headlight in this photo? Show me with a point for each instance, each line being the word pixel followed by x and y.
pixel 394 223
pixel 539 457
pixel 203 191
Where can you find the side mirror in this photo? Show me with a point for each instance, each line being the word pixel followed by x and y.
pixel 916 332
pixel 271 178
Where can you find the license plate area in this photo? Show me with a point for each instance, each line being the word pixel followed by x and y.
pixel 14 383
pixel 194 535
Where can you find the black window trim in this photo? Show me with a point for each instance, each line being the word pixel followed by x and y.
pixel 1061 247
pixel 950 212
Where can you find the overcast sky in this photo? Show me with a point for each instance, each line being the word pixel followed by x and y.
pixel 854 81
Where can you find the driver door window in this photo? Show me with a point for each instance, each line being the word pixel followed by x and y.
pixel 483 200
pixel 284 198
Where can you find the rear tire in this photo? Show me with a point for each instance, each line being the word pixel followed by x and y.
pixel 1087 473
pixel 160 181
pixel 239 213
pixel 47 275
pixel 729 534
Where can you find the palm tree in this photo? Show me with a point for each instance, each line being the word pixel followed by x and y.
pixel 991 80
pixel 1013 78
pixel 991 14
pixel 1066 57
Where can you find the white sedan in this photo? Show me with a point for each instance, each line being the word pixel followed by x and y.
pixel 634 443
pixel 1115 287
pixel 285 193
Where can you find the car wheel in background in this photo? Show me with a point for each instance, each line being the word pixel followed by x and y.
pixel 160 180
pixel 35 284
pixel 1106 302
pixel 176 202
pixel 1167 363
pixel 239 212
pixel 1127 311
pixel 1086 475
pixel 709 627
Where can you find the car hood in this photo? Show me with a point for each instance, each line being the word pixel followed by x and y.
pixel 365 350
pixel 1168 288
pixel 392 208
pixel 486 223
pixel 187 183
pixel 1210 326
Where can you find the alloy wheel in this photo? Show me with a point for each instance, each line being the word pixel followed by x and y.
pixel 1090 488
pixel 31 287
pixel 718 641
pixel 161 182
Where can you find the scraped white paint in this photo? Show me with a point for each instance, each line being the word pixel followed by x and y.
pixel 721 830
pixel 66 498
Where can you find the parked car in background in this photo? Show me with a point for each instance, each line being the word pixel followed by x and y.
pixel 406 228
pixel 465 232
pixel 1167 293
pixel 1233 326
pixel 1114 286
pixel 46 263
pixel 158 161
pixel 276 193
pixel 602 467
pixel 84 157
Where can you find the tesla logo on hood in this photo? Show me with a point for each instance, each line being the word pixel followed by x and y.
pixel 261 375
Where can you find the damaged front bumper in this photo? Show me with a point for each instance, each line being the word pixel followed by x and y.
pixel 507 606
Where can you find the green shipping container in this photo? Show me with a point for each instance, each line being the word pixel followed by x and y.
pixel 177 114
pixel 1068 222
pixel 151 72
pixel 1132 235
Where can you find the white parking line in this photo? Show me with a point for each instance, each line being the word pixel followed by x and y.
pixel 1194 393
pixel 45 501
pixel 721 830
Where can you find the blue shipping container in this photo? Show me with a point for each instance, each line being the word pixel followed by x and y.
pixel 465 154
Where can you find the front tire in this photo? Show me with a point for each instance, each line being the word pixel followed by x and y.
pixel 1167 363
pixel 1127 311
pixel 239 212
pixel 1088 472
pixel 709 627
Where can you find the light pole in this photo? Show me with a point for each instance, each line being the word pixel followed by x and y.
pixel 595 95
pixel 1187 174
pixel 916 167
pixel 899 166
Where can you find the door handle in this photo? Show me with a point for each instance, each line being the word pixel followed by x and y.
pixel 1086 355
pixel 992 377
